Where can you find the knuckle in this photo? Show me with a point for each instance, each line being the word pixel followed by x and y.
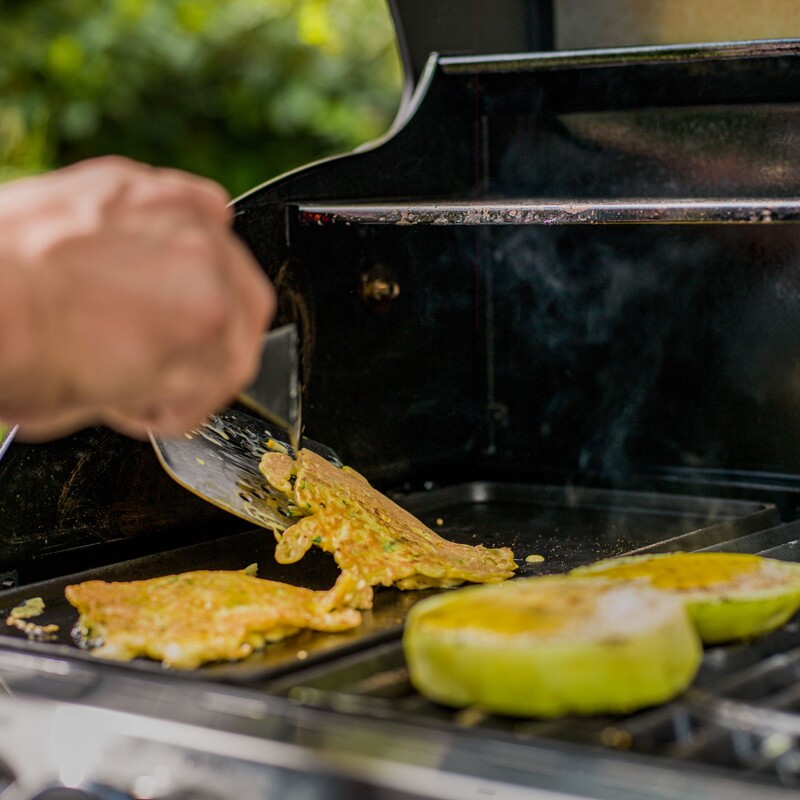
pixel 214 190
pixel 153 196
pixel 149 190
pixel 111 164
pixel 171 192
pixel 187 194
pixel 196 242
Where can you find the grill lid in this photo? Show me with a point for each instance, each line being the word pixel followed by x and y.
pixel 469 28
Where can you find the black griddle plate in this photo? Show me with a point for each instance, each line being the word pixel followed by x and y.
pixel 566 526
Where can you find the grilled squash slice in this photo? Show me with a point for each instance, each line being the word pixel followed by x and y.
pixel 549 647
pixel 729 596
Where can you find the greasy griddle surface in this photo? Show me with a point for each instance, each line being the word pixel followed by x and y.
pixel 566 526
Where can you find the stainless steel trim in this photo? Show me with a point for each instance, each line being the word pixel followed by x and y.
pixel 621 56
pixel 557 212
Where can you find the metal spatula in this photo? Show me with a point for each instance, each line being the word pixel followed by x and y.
pixel 219 461
pixel 6 437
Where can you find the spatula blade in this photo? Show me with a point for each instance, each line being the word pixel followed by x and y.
pixel 275 392
pixel 219 463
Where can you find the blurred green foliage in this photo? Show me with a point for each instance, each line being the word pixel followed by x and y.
pixel 239 90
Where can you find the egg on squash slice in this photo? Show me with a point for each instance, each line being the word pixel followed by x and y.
pixel 729 596
pixel 553 646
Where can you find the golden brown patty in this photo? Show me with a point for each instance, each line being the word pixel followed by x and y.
pixel 188 619
pixel 371 538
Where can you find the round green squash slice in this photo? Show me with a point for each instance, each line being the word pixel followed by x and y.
pixel 729 596
pixel 549 647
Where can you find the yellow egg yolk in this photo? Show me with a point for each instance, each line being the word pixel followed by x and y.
pixel 685 571
pixel 531 609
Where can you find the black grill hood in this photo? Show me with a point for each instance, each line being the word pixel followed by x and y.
pixel 469 27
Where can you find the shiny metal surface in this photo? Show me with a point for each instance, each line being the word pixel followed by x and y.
pixel 275 392
pixel 558 212
pixel 219 463
pixel 7 438
pixel 105 751
pixel 153 739
pixel 616 56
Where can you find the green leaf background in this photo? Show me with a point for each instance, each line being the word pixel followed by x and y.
pixel 238 90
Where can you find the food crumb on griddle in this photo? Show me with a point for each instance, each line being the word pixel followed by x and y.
pixel 617 738
pixel 470 717
pixel 32 607
pixel 19 618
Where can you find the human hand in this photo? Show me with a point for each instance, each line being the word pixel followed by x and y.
pixel 125 299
